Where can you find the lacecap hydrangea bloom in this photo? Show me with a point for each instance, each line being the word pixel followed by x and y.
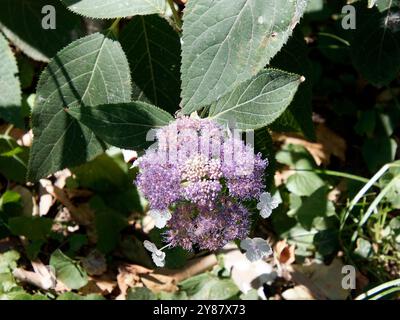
pixel 196 178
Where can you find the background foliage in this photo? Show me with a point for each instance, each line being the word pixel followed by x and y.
pixel 323 101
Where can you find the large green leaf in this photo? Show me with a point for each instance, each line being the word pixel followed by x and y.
pixel 227 42
pixel 10 96
pixel 90 71
pixel 257 102
pixel 114 8
pixel 153 51
pixel 124 125
pixel 375 47
pixel 68 271
pixel 21 21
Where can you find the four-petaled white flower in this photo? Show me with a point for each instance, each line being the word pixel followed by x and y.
pixel 160 217
pixel 157 255
pixel 256 248
pixel 266 204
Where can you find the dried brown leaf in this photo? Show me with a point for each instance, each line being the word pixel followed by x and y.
pixel 285 252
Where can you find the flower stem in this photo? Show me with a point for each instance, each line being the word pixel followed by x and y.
pixel 177 18
pixel 115 27
pixel 336 174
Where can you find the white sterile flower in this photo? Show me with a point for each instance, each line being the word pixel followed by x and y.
pixel 266 204
pixel 157 255
pixel 256 248
pixel 160 217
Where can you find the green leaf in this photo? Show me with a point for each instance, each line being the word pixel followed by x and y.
pixel 140 293
pixel 133 250
pixel 90 71
pixel 33 228
pixel 107 9
pixel 393 194
pixel 68 271
pixel 304 183
pixel 316 205
pixel 75 296
pixel 296 157
pixel 375 47
pixel 110 176
pixel 109 224
pixel 366 123
pixel 327 241
pixel 10 97
pixel 377 151
pixel 21 295
pixel 123 125
pixel 13 159
pixel 294 58
pixel 257 102
pixel 21 22
pixel 153 51
pixel 8 261
pixel 209 287
pixel 227 42
pixel 9 198
pixel 26 71
pixel 384 5
pixel 104 174
pixel 179 295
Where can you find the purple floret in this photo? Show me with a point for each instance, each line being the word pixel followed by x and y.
pixel 207 229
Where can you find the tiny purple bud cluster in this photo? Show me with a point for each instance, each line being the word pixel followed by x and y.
pixel 201 174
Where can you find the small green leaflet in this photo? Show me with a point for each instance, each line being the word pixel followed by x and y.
pixel 10 97
pixel 124 125
pixel 153 51
pixel 21 22
pixel 68 271
pixel 257 102
pixel 92 70
pixel 227 42
pixel 106 9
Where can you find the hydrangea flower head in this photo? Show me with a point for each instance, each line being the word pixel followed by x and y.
pixel 201 174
